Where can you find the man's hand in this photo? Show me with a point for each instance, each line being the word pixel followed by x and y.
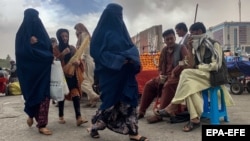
pixel 189 43
pixel 162 79
pixel 172 75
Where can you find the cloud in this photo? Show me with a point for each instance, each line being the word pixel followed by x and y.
pixel 138 15
pixel 54 15
pixel 143 14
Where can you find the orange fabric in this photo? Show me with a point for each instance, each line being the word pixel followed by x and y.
pixel 74 92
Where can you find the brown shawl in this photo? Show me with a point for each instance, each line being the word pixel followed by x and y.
pixel 78 71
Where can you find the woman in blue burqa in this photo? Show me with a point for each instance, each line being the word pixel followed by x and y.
pixel 116 65
pixel 33 59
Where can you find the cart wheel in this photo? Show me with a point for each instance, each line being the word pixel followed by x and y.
pixel 248 86
pixel 237 88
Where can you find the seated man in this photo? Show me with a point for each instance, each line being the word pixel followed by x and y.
pixel 171 64
pixel 208 56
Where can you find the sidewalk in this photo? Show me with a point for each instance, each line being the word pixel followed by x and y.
pixel 14 128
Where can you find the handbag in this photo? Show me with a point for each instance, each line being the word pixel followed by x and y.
pixel 58 84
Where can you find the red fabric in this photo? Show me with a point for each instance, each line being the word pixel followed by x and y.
pixel 3 82
pixel 145 76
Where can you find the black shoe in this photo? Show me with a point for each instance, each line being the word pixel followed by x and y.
pixel 163 113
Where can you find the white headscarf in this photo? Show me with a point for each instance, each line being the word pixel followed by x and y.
pixel 202 38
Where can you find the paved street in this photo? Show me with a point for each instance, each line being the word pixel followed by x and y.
pixel 14 128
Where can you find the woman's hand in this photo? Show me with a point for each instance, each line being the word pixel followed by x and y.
pixel 76 63
pixel 66 51
pixel 33 40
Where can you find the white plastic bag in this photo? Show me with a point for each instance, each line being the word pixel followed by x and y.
pixel 58 84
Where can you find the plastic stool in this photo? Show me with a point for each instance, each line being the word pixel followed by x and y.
pixel 211 107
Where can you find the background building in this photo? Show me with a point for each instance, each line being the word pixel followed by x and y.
pixel 233 36
pixel 150 40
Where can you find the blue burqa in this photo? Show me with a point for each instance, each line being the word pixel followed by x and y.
pixel 33 61
pixel 110 47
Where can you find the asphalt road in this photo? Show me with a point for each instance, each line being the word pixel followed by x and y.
pixel 13 125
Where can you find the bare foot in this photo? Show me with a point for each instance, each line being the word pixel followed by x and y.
pixel 138 138
pixel 30 121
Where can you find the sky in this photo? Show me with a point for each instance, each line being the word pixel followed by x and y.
pixel 138 15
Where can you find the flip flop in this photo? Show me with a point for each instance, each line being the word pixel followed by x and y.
pixel 190 126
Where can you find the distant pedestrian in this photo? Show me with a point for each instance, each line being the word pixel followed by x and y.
pixel 89 66
pixel 53 42
pixel 12 71
pixel 117 62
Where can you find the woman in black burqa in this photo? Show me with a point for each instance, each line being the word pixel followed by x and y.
pixel 116 64
pixel 33 60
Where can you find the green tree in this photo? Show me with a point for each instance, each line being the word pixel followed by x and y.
pixel 8 58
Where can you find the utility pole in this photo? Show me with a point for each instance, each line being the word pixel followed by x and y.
pixel 239 11
pixel 196 12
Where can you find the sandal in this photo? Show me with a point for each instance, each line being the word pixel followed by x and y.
pixel 30 122
pixel 45 131
pixel 163 113
pixel 190 126
pixel 142 138
pixel 93 133
pixel 61 120
pixel 80 121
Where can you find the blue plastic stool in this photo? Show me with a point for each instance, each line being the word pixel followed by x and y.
pixel 211 108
